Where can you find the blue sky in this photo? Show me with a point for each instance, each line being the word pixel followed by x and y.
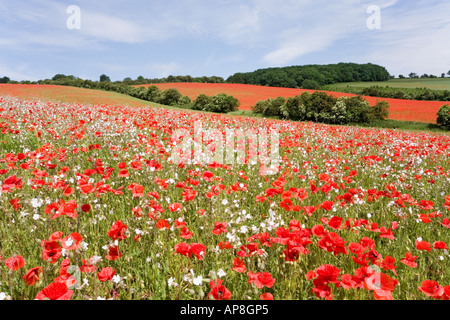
pixel 156 38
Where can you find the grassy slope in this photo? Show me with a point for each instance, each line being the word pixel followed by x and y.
pixel 71 95
pixel 435 84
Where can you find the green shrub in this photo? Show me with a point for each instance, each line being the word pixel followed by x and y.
pixel 222 103
pixel 293 108
pixel 358 110
pixel 380 111
pixel 258 107
pixel 184 102
pixel 153 94
pixel 201 102
pixel 169 97
pixel 318 105
pixel 271 107
pixel 443 118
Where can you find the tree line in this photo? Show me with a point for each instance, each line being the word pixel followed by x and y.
pixel 396 93
pixel 126 81
pixel 312 76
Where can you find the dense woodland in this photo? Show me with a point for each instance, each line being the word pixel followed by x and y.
pixel 312 76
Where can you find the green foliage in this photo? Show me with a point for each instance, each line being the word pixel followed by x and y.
pixel 222 103
pixel 425 94
pixel 258 107
pixel 5 79
pixel 321 107
pixel 443 118
pixel 201 102
pixel 184 102
pixel 271 107
pixel 170 97
pixel 293 108
pixel 358 109
pixel 312 76
pixel 104 78
pixel 380 111
pixel 310 84
pixel 60 76
pixel 153 93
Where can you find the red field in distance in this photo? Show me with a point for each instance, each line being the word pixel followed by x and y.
pixel 248 95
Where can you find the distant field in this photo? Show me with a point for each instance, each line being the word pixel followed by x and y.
pixel 435 84
pixel 69 95
pixel 248 95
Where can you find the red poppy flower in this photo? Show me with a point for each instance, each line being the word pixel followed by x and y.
pixel 113 253
pixel 239 265
pixel 446 293
pixel 348 281
pixel 66 209
pixel 225 245
pixel 388 264
pixel 208 176
pixel 328 273
pixel 86 207
pixel 261 279
pixel 51 251
pixel 332 242
pixel 117 231
pixel 198 250
pixel 327 205
pixel 71 242
pixel 423 245
pixel 136 189
pixel 318 231
pixel 335 222
pixel 162 224
pixel 15 262
pixel 174 207
pixel 106 274
pixel 309 210
pixel 266 296
pixel 386 233
pixel 409 260
pixel 432 289
pixel 440 245
pixel 219 291
pixel 15 204
pixel 219 227
pixel 188 194
pixel 55 291
pixel 446 222
pixel 32 275
pixel 185 233
pixel 183 249
pixel 380 281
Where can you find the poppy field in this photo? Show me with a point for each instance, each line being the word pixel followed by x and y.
pixel 94 207
pixel 249 95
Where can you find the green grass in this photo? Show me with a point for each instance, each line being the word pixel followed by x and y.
pixel 434 84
